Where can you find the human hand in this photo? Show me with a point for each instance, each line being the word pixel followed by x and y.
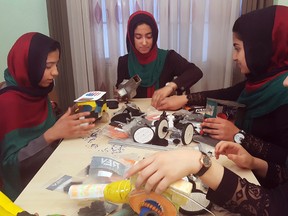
pixel 219 128
pixel 160 94
pixel 236 153
pixel 70 125
pixel 161 169
pixel 174 102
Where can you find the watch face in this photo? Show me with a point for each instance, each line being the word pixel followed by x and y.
pixel 206 161
pixel 238 137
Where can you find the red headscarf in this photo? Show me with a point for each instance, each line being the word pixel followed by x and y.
pixel 23 102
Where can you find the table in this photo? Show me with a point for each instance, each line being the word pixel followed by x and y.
pixel 72 156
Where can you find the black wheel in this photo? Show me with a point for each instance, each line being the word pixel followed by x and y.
pixel 187 134
pixel 142 134
pixel 161 129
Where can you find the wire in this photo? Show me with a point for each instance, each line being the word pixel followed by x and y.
pixel 192 200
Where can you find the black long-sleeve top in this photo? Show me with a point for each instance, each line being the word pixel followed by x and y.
pixel 175 66
pixel 268 141
pixel 238 195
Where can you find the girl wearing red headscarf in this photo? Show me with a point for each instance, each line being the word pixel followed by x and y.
pixel 156 67
pixel 29 132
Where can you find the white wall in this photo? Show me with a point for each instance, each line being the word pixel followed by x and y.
pixel 281 2
pixel 17 18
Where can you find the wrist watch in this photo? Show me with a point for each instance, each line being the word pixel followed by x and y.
pixel 238 137
pixel 206 162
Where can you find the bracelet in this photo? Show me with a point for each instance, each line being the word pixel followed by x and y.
pixel 168 84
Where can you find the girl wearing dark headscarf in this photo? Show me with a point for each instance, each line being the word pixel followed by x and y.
pixel 261 52
pixel 156 67
pixel 29 131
